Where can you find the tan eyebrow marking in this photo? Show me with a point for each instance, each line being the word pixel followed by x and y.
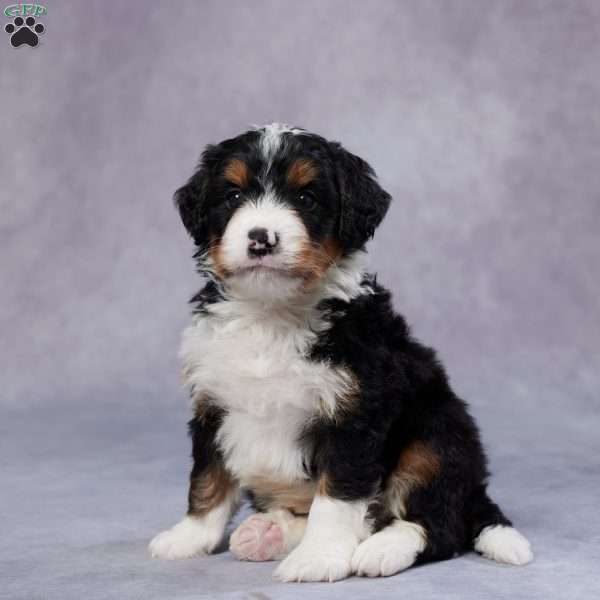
pixel 302 172
pixel 237 172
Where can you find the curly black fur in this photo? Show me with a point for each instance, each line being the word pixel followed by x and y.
pixel 403 397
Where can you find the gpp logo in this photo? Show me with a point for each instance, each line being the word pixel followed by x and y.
pixel 25 29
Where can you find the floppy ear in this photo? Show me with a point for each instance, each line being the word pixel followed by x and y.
pixel 192 199
pixel 363 203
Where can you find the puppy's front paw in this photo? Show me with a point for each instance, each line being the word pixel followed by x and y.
pixel 309 562
pixel 190 537
pixel 383 554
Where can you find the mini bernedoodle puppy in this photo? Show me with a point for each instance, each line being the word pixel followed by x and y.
pixel 309 393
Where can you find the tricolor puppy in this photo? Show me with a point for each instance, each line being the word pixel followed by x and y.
pixel 309 393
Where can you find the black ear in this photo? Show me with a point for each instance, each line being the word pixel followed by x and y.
pixel 192 199
pixel 363 202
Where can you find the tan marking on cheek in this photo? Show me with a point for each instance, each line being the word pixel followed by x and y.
pixel 323 487
pixel 314 260
pixel 302 172
pixel 332 249
pixel 272 494
pixel 237 172
pixel 216 254
pixel 209 490
pixel 417 466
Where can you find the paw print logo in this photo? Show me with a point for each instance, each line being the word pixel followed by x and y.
pixel 24 31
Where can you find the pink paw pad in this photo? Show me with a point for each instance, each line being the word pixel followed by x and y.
pixel 257 539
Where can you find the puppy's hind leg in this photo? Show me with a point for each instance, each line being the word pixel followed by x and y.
pixel 494 536
pixel 267 536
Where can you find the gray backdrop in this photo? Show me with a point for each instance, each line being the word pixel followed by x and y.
pixel 483 121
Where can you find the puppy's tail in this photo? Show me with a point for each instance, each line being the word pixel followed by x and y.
pixel 493 534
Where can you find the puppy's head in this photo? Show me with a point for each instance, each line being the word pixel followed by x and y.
pixel 274 208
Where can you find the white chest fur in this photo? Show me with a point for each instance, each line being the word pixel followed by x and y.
pixel 254 364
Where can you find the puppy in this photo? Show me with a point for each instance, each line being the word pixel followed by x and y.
pixel 309 393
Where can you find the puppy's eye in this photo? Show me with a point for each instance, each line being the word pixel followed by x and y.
pixel 307 199
pixel 232 198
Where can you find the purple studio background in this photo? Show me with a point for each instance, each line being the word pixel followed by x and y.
pixel 483 122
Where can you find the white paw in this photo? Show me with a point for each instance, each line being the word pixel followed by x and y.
pixel 389 551
pixel 190 537
pixel 504 544
pixel 258 538
pixel 309 562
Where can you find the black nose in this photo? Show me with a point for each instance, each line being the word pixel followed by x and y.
pixel 262 241
pixel 259 234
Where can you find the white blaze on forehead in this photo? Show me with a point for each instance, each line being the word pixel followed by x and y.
pixel 271 138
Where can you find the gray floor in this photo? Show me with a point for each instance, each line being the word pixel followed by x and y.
pixel 482 120
pixel 83 493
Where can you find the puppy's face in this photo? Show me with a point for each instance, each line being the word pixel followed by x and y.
pixel 274 208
